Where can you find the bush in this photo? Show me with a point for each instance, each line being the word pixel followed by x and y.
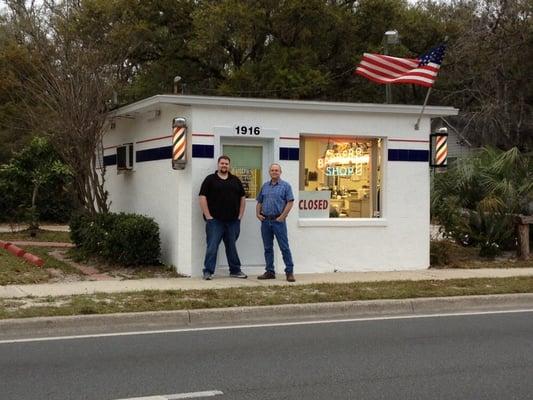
pixel 126 239
pixel 476 199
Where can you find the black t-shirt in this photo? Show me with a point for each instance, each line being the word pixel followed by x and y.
pixel 223 196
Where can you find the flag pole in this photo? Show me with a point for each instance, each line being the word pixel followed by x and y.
pixel 417 125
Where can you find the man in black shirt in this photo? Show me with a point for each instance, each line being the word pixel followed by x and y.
pixel 222 201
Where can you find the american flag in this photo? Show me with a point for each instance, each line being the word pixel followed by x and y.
pixel 421 71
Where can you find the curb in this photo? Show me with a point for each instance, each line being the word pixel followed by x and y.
pixel 148 321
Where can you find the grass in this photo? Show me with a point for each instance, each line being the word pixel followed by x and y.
pixel 17 271
pixel 41 236
pixel 256 296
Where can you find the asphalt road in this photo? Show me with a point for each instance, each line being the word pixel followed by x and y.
pixel 452 357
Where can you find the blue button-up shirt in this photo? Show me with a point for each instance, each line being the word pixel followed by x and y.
pixel 273 197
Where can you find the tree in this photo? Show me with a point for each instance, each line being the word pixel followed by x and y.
pixel 34 184
pixel 487 72
pixel 70 83
pixel 15 128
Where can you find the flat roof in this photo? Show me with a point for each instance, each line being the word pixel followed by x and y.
pixel 152 103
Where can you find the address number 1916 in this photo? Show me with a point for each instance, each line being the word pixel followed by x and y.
pixel 248 130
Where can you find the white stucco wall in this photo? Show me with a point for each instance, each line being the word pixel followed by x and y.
pixel 153 188
pixel 398 240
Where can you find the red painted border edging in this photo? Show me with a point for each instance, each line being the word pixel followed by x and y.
pixel 17 251
pixel 33 259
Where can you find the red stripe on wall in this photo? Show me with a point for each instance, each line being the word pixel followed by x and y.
pixel 153 139
pixel 409 140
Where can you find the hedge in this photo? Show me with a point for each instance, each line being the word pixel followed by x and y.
pixel 125 239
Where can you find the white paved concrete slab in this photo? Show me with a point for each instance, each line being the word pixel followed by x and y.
pixel 21 227
pixel 89 287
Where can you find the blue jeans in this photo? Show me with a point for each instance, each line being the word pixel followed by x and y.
pixel 269 229
pixel 216 231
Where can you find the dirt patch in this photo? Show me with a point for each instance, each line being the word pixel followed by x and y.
pixel 93 269
pixel 448 254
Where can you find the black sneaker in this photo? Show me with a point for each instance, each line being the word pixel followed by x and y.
pixel 207 276
pixel 240 275
pixel 267 275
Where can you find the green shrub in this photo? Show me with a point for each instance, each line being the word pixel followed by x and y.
pixel 126 239
pixel 133 240
pixel 476 199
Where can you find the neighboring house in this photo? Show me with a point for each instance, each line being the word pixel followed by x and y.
pixel 458 147
pixel 359 173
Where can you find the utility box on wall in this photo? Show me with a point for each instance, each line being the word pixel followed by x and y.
pixel 125 157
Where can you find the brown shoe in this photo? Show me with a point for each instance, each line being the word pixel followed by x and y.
pixel 290 278
pixel 267 275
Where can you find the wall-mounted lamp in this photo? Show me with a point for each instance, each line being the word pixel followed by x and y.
pixel 177 80
pixel 389 38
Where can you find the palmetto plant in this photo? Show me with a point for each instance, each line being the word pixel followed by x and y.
pixel 476 200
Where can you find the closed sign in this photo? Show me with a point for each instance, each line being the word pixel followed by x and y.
pixel 314 204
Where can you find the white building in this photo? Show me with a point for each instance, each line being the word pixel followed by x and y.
pixel 359 173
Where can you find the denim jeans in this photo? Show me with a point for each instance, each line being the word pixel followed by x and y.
pixel 216 231
pixel 269 230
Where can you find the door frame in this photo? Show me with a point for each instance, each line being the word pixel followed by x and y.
pixel 253 263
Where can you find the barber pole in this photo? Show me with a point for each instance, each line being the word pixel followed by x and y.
pixel 441 151
pixel 439 148
pixel 179 143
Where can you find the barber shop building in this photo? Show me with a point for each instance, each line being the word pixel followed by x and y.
pixel 359 172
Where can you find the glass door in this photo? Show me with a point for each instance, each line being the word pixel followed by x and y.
pixel 246 163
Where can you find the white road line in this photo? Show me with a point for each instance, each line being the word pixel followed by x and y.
pixel 274 324
pixel 194 395
pixel 177 396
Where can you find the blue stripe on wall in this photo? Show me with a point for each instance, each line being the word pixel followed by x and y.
pixel 203 150
pixel 408 155
pixel 289 153
pixel 158 153
pixel 110 160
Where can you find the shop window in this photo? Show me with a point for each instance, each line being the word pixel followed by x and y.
pixel 340 177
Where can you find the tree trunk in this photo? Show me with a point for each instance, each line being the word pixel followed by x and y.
pixel 522 229
pixel 523 241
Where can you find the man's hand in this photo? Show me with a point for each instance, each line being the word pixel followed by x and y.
pixel 281 218
pixel 260 217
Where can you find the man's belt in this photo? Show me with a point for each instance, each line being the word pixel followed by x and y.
pixel 271 217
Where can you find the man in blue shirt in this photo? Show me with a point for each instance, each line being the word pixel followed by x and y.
pixel 274 202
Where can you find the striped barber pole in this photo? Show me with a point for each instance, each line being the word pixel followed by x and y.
pixel 441 151
pixel 438 148
pixel 179 143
